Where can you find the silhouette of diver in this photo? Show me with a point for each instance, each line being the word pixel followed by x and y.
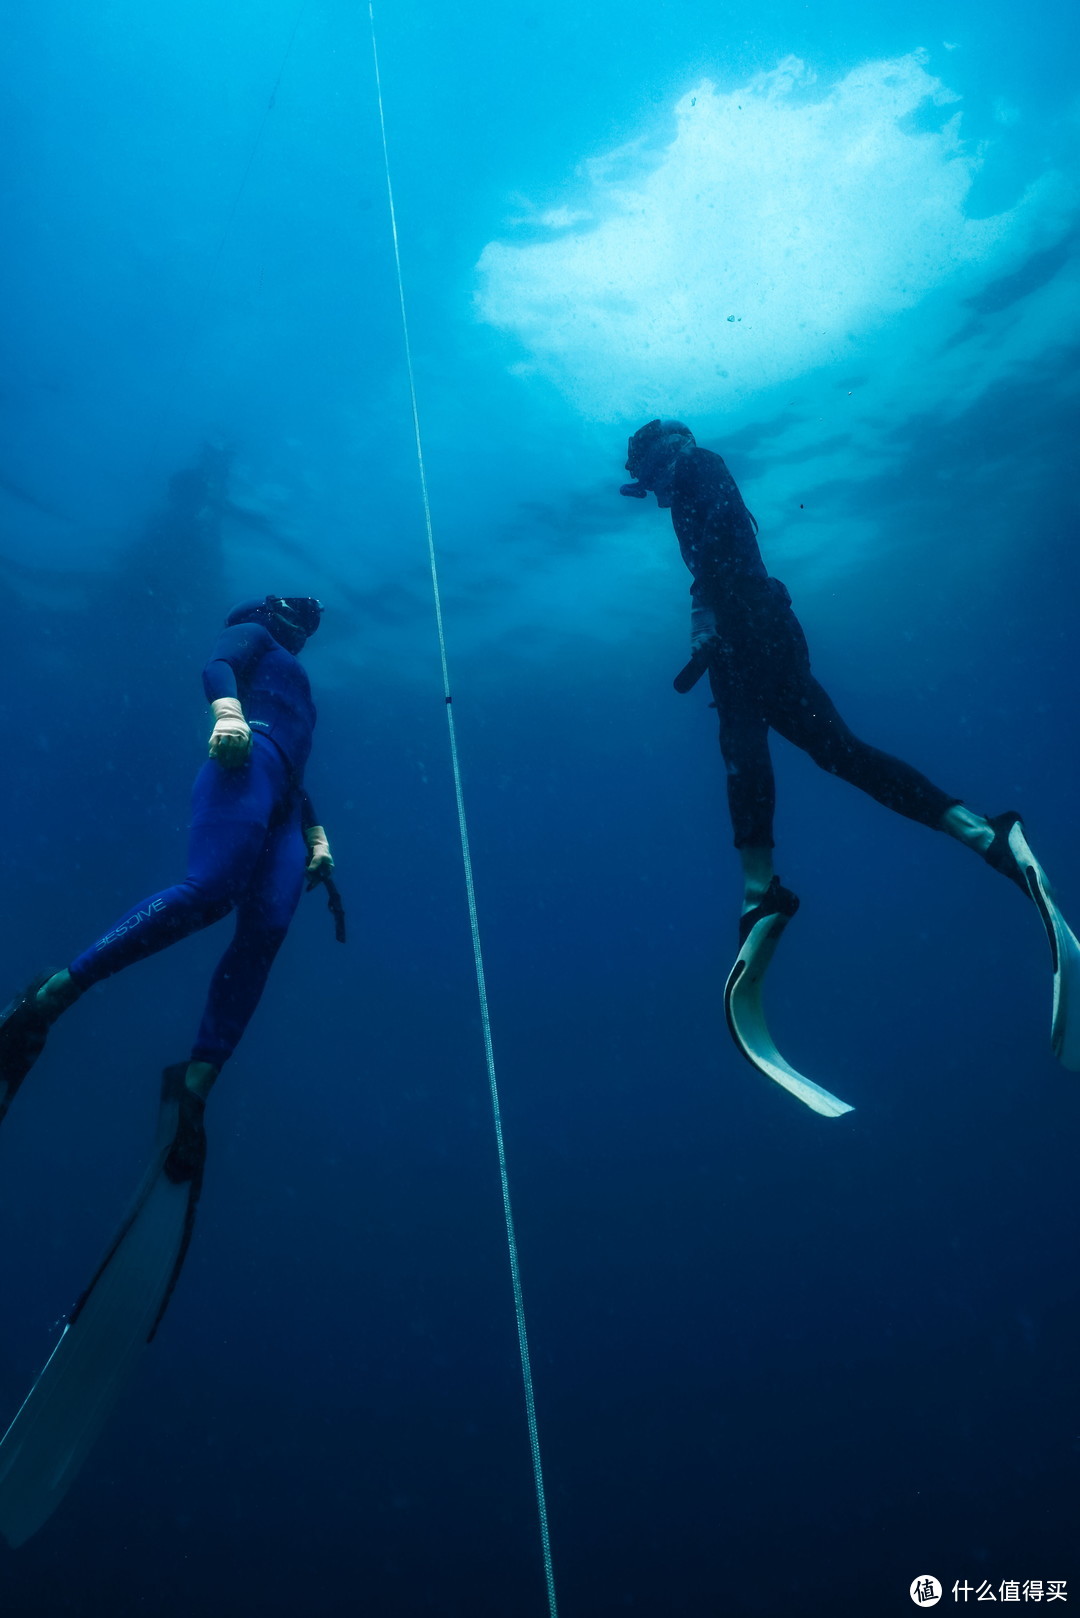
pixel 745 635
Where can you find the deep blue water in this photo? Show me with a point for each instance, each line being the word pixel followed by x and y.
pixel 783 1364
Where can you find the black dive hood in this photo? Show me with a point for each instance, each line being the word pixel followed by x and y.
pixel 290 619
pixel 651 454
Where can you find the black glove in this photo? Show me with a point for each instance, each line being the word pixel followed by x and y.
pixel 687 678
pixel 335 907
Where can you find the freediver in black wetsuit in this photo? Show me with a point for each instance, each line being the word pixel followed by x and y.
pixel 745 635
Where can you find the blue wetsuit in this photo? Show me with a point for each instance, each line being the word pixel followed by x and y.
pixel 759 665
pixel 246 849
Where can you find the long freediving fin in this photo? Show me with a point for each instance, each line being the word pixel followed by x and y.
pixel 1016 860
pixel 760 933
pixel 116 1316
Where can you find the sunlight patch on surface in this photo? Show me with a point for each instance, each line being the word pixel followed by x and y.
pixel 780 227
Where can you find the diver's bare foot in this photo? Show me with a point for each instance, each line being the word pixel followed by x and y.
pixel 974 830
pixel 57 994
pixel 200 1077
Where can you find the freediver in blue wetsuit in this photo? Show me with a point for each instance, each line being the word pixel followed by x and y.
pixel 745 635
pixel 251 819
pixel 254 839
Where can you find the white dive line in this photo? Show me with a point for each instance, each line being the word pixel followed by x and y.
pixel 470 890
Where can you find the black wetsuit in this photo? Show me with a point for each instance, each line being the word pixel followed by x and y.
pixel 759 664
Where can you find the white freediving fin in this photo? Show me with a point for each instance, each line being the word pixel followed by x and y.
pixel 1064 952
pixel 116 1316
pixel 761 929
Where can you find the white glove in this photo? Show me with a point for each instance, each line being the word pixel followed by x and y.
pixel 320 861
pixel 230 740
pixel 703 630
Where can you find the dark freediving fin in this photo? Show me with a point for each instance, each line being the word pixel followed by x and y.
pixel 336 906
pixel 23 1031
pixel 116 1316
pixel 760 932
pixel 1064 947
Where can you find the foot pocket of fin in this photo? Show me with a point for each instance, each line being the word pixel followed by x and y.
pixel 24 1028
